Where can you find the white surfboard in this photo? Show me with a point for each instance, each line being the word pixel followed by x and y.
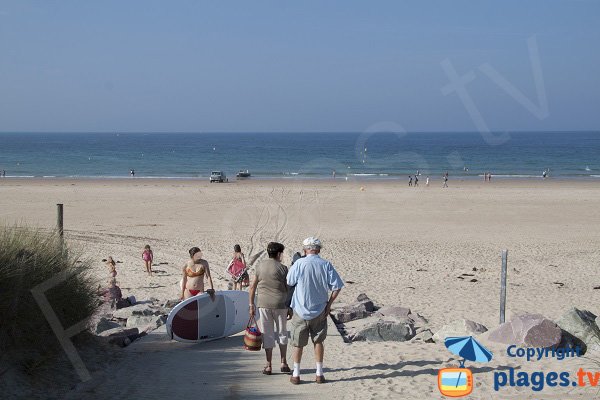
pixel 200 319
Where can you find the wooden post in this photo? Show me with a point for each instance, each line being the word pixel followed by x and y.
pixel 59 221
pixel 503 286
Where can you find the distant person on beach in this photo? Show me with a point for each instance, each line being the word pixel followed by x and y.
pixel 544 174
pixel 112 267
pixel 445 180
pixel 273 304
pixel 238 268
pixel 409 180
pixel 427 181
pixel 312 278
pixel 489 176
pixel 416 181
pixel 194 272
pixel 3 173
pixel 333 174
pixel 132 173
pixel 148 257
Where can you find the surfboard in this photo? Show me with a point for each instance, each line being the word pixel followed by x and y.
pixel 200 319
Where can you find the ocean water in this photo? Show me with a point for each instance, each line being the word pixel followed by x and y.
pixel 299 155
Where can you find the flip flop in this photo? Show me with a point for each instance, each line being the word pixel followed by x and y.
pixel 286 369
pixel 267 370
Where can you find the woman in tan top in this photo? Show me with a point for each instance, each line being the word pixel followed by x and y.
pixel 194 272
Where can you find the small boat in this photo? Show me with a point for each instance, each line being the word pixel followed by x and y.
pixel 243 174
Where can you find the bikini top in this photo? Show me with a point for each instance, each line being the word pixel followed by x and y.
pixel 191 274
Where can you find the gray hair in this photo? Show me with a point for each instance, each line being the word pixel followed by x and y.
pixel 312 247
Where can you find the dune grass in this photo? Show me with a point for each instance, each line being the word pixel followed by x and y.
pixel 28 258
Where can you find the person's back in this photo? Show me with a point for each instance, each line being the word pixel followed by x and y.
pixel 272 288
pixel 314 278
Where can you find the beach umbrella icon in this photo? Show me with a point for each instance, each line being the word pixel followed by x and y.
pixel 468 348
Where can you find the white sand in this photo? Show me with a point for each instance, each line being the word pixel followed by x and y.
pixel 401 246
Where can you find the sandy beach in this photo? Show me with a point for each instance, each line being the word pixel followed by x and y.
pixel 399 245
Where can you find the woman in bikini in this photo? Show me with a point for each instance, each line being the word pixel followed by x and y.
pixel 193 275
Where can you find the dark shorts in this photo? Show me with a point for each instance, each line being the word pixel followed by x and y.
pixel 301 329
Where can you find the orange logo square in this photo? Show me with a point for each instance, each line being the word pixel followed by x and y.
pixel 455 382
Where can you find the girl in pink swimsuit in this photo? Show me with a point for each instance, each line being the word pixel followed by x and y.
pixel 148 256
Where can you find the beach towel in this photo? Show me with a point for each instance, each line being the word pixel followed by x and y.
pixel 236 268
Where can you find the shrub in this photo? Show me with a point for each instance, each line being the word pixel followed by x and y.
pixel 28 258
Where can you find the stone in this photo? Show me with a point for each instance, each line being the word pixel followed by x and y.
pixel 461 327
pixel 170 304
pixel 382 330
pixel 581 324
pixel 425 336
pixel 391 311
pixel 350 313
pixel 120 331
pixel 146 322
pixel 530 330
pixel 363 297
pixel 122 303
pixel 122 337
pixel 139 310
pixel 104 324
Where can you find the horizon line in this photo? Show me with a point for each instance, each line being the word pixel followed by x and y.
pixel 297 132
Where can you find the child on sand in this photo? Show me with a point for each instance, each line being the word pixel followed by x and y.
pixel 238 269
pixel 148 256
pixel 112 267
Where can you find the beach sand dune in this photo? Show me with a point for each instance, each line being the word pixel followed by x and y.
pixel 399 245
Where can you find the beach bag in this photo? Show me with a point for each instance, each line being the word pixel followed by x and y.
pixel 236 268
pixel 252 336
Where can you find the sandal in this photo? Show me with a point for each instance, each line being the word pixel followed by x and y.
pixel 267 370
pixel 285 369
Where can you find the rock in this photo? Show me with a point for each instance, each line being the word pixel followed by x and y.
pixel 425 336
pixel 582 325
pixel 122 303
pixel 146 322
pixel 390 311
pixel 350 313
pixel 104 324
pixel 122 337
pixel 461 327
pixel 384 330
pixel 170 304
pixel 531 330
pixel 401 312
pixel 139 310
pixel 363 297
pixel 120 331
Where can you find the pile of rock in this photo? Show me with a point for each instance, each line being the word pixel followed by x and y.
pixel 126 324
pixel 364 321
pixel 575 328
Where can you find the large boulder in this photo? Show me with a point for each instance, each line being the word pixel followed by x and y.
pixel 146 322
pixel 583 326
pixel 145 310
pixel 401 312
pixel 461 327
pixel 380 330
pixel 121 337
pixel 104 324
pixel 346 313
pixel 531 330
pixel 424 336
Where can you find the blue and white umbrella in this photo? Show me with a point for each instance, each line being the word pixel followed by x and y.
pixel 468 348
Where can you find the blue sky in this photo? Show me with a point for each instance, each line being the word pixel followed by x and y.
pixel 193 66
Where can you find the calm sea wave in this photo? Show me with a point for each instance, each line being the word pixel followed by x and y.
pixel 298 155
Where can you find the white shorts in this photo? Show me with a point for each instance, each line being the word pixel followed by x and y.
pixel 273 325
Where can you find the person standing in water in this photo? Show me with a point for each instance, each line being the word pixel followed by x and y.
pixel 445 180
pixel 427 181
pixel 410 180
pixel 194 272
pixel 416 181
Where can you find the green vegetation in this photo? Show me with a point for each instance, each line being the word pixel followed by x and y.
pixel 28 258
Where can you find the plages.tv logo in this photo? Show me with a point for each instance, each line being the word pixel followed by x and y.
pixel 458 382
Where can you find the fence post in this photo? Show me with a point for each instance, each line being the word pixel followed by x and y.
pixel 59 222
pixel 503 286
